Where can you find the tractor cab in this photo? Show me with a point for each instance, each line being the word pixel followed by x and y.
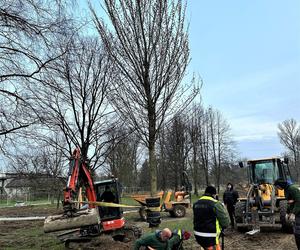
pixel 266 171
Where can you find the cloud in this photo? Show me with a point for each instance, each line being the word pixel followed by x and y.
pixel 253 128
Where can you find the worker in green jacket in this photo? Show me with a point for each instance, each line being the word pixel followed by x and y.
pixel 157 240
pixel 292 195
pixel 210 217
pixel 163 239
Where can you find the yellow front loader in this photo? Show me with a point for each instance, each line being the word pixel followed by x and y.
pixel 264 204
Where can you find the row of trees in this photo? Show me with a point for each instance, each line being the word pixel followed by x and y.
pixel 63 89
pixel 197 142
pixel 115 93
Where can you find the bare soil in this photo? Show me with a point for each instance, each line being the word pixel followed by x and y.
pixel 30 235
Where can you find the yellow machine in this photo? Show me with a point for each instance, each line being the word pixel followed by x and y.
pixel 176 208
pixel 175 203
pixel 264 204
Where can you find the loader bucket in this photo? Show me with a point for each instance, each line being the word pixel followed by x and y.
pixel 85 217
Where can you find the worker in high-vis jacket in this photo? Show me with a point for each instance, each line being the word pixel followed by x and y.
pixel 210 218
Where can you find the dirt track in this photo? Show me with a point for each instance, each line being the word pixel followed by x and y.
pixel 30 235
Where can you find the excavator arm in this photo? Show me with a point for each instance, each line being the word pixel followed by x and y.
pixel 78 176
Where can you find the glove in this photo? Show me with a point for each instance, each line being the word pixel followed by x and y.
pixel 186 235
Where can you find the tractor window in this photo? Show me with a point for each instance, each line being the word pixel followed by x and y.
pixel 265 172
pixel 286 172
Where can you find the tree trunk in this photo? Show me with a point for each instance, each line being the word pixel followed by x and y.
pixel 195 170
pixel 152 167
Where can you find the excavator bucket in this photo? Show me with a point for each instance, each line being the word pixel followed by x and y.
pixel 82 218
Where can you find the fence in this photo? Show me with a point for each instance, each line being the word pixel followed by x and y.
pixel 28 198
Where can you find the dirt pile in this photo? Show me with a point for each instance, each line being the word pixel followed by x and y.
pixel 104 242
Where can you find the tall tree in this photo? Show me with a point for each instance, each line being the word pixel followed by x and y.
pixel 149 46
pixel 122 156
pixel 177 150
pixel 72 98
pixel 194 130
pixel 220 143
pixel 204 143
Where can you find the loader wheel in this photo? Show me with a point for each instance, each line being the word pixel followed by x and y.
pixel 240 207
pixel 287 226
pixel 171 213
pixel 179 211
pixel 143 213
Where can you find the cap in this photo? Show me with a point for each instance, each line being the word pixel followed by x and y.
pixel 210 190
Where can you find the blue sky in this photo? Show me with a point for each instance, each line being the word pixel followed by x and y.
pixel 248 55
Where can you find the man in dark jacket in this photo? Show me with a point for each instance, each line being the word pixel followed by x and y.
pixel 292 195
pixel 210 217
pixel 230 198
pixel 107 195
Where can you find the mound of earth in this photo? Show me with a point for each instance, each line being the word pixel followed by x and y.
pixel 104 242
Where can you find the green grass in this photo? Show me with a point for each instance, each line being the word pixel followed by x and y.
pixel 129 201
pixel 186 224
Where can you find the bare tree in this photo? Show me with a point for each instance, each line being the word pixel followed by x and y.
pixel 194 134
pixel 289 134
pixel 28 30
pixel 163 164
pixel 122 156
pixel 41 163
pixel 204 143
pixel 178 148
pixel 149 46
pixel 72 98
pixel 220 143
pixel 173 151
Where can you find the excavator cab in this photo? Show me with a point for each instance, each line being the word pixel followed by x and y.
pixel 108 191
pixel 264 204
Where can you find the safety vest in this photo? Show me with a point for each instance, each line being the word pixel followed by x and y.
pixel 206 223
pixel 179 232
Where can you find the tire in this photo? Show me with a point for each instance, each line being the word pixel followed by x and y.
pixel 179 211
pixel 171 213
pixel 287 226
pixel 240 208
pixel 153 218
pixel 143 213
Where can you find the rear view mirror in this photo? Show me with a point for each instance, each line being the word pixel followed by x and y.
pixel 241 164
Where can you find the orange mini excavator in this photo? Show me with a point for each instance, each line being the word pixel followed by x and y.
pixel 98 217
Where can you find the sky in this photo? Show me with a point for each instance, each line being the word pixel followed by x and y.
pixel 248 55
